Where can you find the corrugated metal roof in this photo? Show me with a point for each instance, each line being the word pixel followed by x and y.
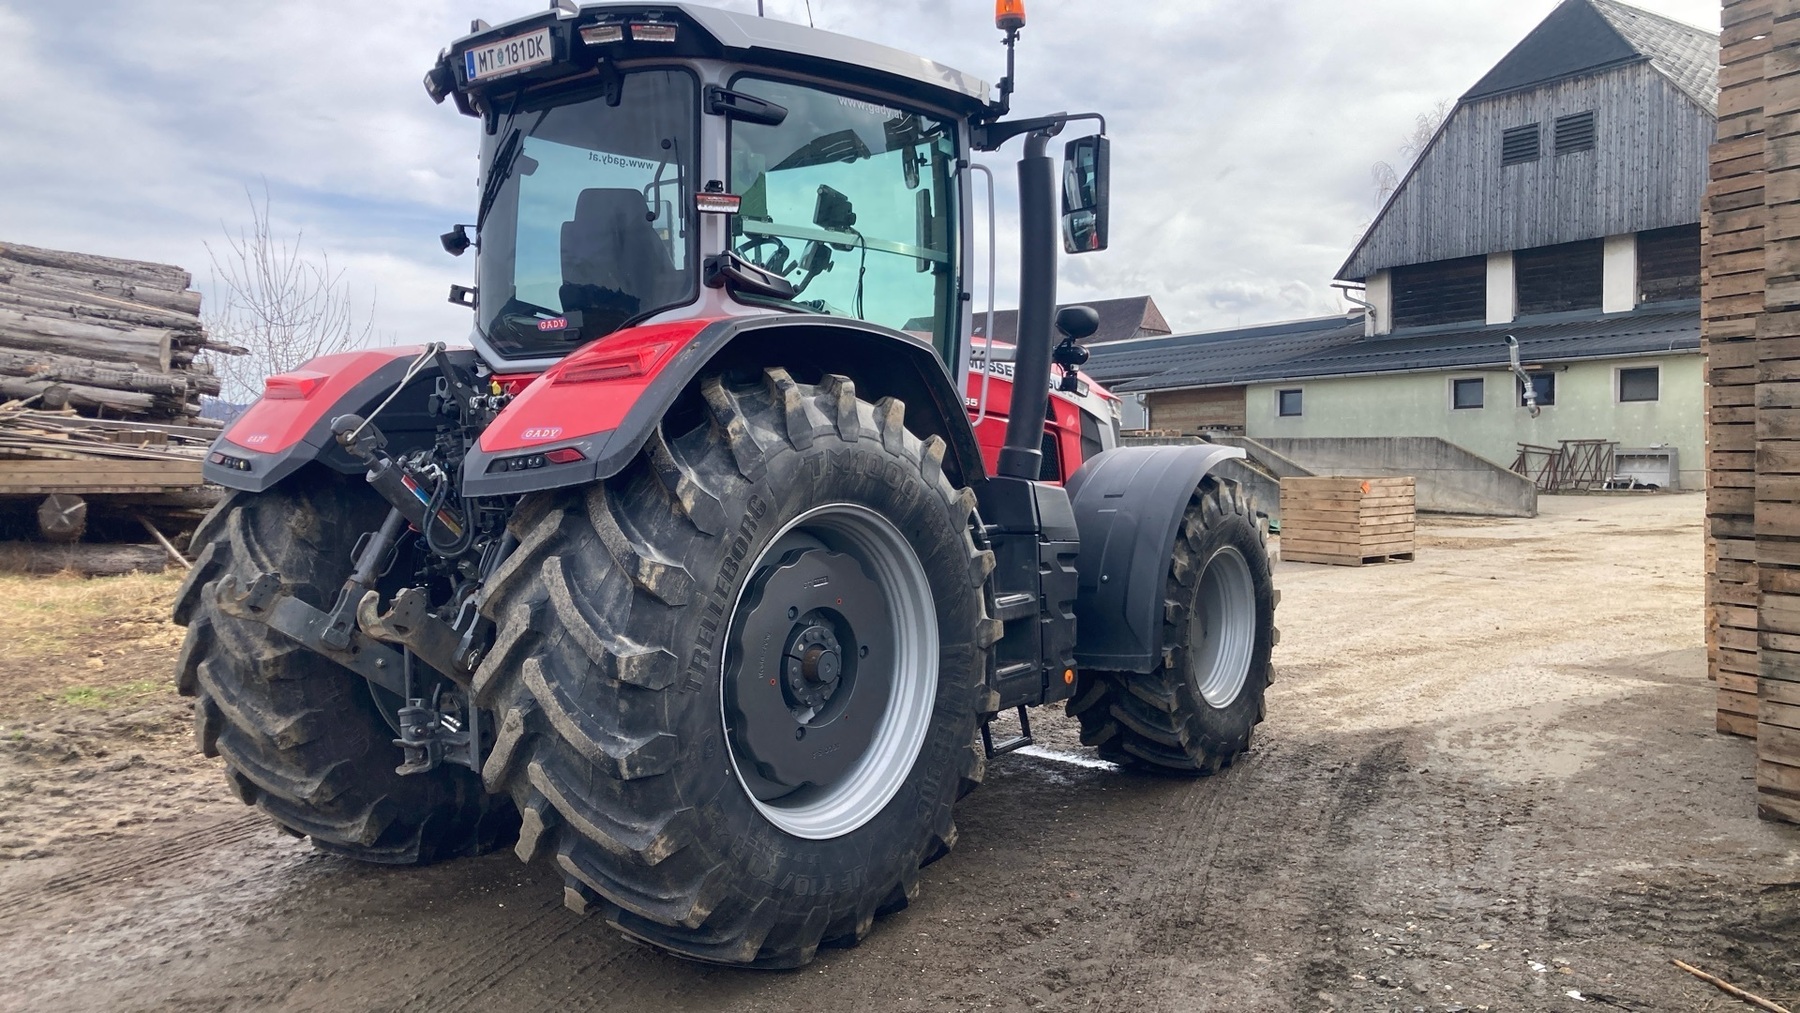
pixel 1305 349
pixel 1119 361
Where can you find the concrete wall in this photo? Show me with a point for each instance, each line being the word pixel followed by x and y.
pixel 1260 484
pixel 1418 404
pixel 1449 479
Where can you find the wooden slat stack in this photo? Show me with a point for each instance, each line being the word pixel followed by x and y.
pixel 1732 227
pixel 1347 521
pixel 1778 419
pixel 110 338
pixel 1751 314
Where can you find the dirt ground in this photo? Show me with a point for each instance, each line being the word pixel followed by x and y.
pixel 1488 781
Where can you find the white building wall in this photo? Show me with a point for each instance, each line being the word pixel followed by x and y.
pixel 1502 290
pixel 1618 292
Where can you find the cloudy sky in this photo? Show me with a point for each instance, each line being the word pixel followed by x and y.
pixel 1243 132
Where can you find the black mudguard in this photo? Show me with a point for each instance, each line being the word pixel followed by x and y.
pixel 882 363
pixel 1128 504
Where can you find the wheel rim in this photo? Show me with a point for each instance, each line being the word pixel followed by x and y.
pixel 1222 629
pixel 830 672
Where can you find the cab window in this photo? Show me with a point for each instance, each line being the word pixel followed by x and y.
pixel 854 202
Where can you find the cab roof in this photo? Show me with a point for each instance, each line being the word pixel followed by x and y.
pixel 768 40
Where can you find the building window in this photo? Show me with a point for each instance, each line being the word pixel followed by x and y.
pixel 1560 279
pixel 1575 133
pixel 1668 264
pixel 1544 385
pixel 1468 393
pixel 1641 384
pixel 1441 292
pixel 1519 144
pixel 1287 403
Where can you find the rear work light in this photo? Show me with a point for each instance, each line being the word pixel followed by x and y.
pixel 652 31
pixel 602 33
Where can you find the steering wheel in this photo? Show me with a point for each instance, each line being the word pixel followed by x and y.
pixel 779 261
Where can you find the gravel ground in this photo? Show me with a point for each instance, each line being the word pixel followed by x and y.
pixel 1488 781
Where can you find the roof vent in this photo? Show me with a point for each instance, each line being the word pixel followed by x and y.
pixel 1575 133
pixel 1519 144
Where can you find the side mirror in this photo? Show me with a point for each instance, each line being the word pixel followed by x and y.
pixel 1086 191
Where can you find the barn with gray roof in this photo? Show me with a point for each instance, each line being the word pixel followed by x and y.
pixel 1558 204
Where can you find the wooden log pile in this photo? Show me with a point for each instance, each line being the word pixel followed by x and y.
pixel 109 338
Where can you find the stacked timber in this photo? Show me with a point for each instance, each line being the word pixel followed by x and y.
pixel 1347 521
pixel 1778 421
pixel 1733 219
pixel 109 338
pixel 1751 323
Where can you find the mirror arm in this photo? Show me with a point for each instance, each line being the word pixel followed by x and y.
pixel 990 136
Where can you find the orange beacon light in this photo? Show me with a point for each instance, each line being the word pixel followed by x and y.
pixel 1009 15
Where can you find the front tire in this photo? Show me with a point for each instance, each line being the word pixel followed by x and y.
pixel 1194 714
pixel 736 684
pixel 301 736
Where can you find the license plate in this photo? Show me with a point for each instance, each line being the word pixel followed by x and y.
pixel 508 56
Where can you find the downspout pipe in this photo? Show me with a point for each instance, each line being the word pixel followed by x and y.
pixel 1022 455
pixel 1368 307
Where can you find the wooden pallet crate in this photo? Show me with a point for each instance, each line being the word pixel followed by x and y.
pixel 1347 521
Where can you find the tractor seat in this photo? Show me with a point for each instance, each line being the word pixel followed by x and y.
pixel 614 264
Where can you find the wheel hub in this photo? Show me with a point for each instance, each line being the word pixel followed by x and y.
pixel 814 664
pixel 811 624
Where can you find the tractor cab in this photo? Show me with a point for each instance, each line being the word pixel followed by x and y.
pixel 655 163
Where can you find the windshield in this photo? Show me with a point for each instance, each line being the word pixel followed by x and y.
pixel 586 225
pixel 854 203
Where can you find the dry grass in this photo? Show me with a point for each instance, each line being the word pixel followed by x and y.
pixel 85 643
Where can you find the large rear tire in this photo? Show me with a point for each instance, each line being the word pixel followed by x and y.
pixel 736 684
pixel 301 736
pixel 1195 712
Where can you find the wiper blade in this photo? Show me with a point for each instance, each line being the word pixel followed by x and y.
pixel 501 169
pixel 498 171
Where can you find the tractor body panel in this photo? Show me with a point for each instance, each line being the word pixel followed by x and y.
pixel 289 426
pixel 605 399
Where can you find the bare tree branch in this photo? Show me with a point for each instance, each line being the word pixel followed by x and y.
pixel 280 302
pixel 1384 175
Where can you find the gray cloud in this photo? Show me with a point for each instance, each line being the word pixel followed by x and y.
pixel 1242 132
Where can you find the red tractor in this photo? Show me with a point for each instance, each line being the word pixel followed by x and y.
pixel 706 568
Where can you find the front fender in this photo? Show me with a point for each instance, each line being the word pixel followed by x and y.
pixel 1128 505
pixel 636 375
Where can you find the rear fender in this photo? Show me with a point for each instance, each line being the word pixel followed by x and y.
pixel 289 426
pixel 608 417
pixel 1128 505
